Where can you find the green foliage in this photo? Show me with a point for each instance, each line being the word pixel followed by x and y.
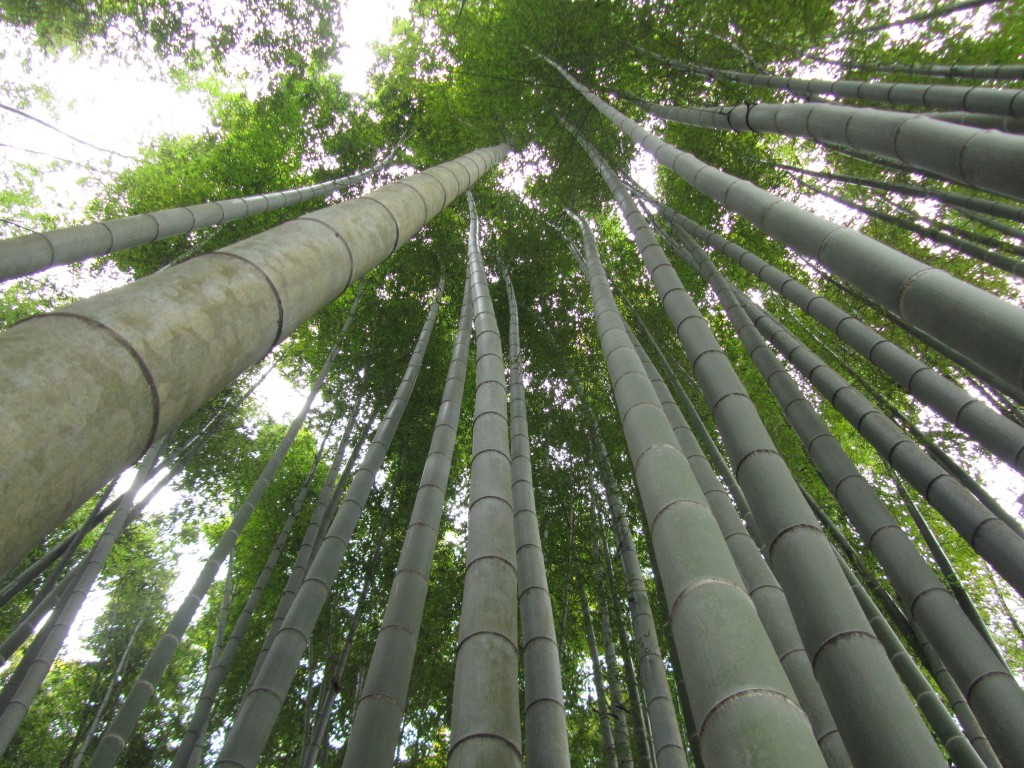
pixel 459 75
pixel 277 34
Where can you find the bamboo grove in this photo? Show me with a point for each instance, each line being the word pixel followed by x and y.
pixel 663 377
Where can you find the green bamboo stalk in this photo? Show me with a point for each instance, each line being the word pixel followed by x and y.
pixel 485 725
pixel 742 701
pixel 129 365
pixel 544 714
pixel 28 254
pixel 259 709
pixel 377 723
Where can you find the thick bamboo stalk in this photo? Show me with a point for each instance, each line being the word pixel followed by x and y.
pixel 262 703
pixel 544 711
pixel 1005 102
pixel 761 584
pixel 706 446
pixel 117 733
pixel 979 325
pixel 995 696
pixel 833 629
pixel 839 538
pixel 485 726
pixel 85 390
pixel 377 723
pixel 990 536
pixel 742 701
pixel 997 433
pixel 960 153
pixel 28 254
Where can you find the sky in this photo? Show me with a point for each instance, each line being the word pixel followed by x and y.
pixel 119 106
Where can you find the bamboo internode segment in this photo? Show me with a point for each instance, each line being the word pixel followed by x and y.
pixel 85 390
pixel 1007 102
pixel 377 722
pixel 485 716
pixel 971 321
pixel 976 156
pixel 28 254
pixel 746 706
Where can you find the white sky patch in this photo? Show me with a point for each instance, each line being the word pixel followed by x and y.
pixel 644 170
pixel 280 399
pixel 364 24
pixel 120 106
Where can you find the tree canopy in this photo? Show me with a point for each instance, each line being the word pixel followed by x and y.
pixel 920 385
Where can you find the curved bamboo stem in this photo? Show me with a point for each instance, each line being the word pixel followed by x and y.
pixel 28 254
pixel 129 365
